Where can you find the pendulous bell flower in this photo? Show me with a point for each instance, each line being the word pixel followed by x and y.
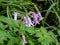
pixel 23 39
pixel 39 16
pixel 15 16
pixel 27 21
pixel 35 19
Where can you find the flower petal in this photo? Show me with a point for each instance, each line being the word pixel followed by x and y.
pixel 40 16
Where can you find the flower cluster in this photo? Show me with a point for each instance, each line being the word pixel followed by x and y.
pixel 36 19
pixel 27 20
pixel 23 36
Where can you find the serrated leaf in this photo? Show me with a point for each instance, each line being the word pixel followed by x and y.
pixel 2 36
pixel 13 41
pixel 31 43
pixel 9 21
pixel 2 27
pixel 28 29
pixel 43 30
pixel 58 31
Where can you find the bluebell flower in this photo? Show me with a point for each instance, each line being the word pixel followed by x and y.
pixel 27 21
pixel 15 15
pixel 35 19
pixel 23 39
pixel 39 16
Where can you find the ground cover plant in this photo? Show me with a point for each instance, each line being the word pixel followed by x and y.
pixel 29 22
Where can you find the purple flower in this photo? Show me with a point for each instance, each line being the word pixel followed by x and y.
pixel 27 21
pixel 15 15
pixel 23 39
pixel 40 16
pixel 35 19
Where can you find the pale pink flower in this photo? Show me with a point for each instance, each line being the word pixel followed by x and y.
pixel 27 21
pixel 15 15
pixel 35 19
pixel 40 16
pixel 23 39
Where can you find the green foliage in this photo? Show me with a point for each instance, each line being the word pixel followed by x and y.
pixel 58 32
pixel 28 29
pixel 45 34
pixel 45 38
pixel 2 27
pixel 8 21
pixel 2 36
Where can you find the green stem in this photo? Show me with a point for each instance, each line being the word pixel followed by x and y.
pixel 25 9
pixel 11 5
pixel 57 15
pixel 7 11
pixel 36 8
pixel 48 11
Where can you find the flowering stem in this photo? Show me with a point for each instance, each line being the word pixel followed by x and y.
pixel 36 8
pixel 25 9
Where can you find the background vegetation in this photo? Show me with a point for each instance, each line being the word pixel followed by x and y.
pixel 47 33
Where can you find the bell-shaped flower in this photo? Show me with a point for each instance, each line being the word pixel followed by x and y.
pixel 27 21
pixel 35 19
pixel 15 15
pixel 23 39
pixel 39 16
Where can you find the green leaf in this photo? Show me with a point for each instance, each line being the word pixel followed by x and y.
pixel 58 31
pixel 43 30
pixel 31 43
pixel 3 36
pixel 48 11
pixel 28 29
pixel 46 38
pixel 13 41
pixel 9 21
pixel 54 39
pixel 2 27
